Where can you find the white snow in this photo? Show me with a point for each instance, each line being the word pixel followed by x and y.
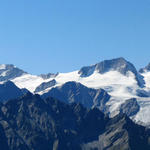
pixel 114 82
pixel 146 76
pixel 3 73
pixel 28 81
pixel 119 86
pixel 143 115
pixel 2 66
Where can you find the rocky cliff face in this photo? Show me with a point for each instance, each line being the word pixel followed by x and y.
pixel 119 64
pixel 9 71
pixel 73 92
pixel 118 77
pixel 9 90
pixel 30 123
pixel 45 85
pixel 121 134
pixel 130 107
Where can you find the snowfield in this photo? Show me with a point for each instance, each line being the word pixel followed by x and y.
pixel 120 86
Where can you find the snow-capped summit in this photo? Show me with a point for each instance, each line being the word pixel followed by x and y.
pixel 118 77
pixel 118 64
pixel 9 71
pixel 115 76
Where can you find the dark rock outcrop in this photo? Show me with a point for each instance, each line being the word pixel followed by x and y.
pixel 9 72
pixel 74 92
pixel 121 134
pixel 9 90
pixel 49 75
pixel 142 93
pixel 43 86
pixel 33 123
pixel 130 107
pixel 119 64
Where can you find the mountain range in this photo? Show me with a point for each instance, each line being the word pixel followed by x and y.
pixel 32 123
pixel 112 86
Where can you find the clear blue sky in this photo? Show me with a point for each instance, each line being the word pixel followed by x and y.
pixel 42 36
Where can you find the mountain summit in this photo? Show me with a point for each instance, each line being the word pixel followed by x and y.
pixel 9 71
pixel 73 92
pixel 118 64
pixel 118 77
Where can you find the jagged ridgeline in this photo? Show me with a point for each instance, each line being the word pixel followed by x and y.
pixel 30 123
pixel 112 86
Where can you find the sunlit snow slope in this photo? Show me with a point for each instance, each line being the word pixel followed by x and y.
pixel 117 76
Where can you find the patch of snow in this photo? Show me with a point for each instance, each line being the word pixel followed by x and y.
pixel 117 82
pixel 143 115
pixel 28 81
pixel 146 76
pixel 2 66
pixel 119 86
pixel 3 73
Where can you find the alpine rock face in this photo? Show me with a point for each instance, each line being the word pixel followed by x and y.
pixel 73 92
pixel 117 77
pixel 8 72
pixel 119 64
pixel 32 123
pixel 8 90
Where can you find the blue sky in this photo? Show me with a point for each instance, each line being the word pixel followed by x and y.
pixel 64 35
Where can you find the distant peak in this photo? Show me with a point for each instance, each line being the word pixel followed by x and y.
pixel 49 75
pixel 9 72
pixel 6 66
pixel 117 59
pixel 145 69
pixel 118 64
pixel 72 84
pixel 2 66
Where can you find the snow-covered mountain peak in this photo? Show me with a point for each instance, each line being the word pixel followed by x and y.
pixel 9 71
pixel 2 66
pixel 118 64
pixel 7 66
pixel 118 77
